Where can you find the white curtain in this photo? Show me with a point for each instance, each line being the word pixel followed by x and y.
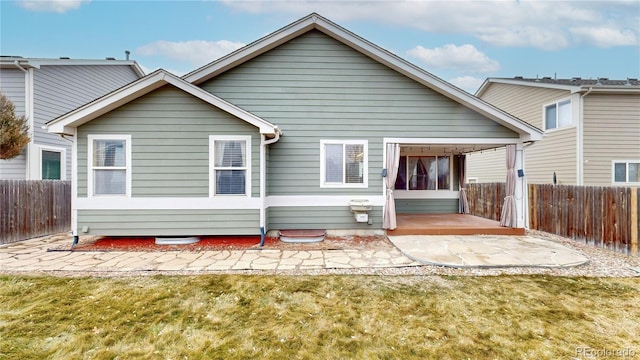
pixel 464 201
pixel 508 216
pixel 393 159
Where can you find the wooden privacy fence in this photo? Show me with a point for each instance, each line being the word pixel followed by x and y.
pixel 31 208
pixel 601 215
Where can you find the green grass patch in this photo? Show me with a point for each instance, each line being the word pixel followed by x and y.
pixel 313 317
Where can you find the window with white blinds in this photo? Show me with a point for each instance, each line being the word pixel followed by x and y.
pixel 109 164
pixel 230 165
pixel 343 163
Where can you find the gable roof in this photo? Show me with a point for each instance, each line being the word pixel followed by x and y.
pixel 317 22
pixel 65 123
pixel 36 63
pixel 574 85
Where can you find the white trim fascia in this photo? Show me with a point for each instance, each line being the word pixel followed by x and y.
pixel 248 153
pixel 167 203
pixel 485 85
pixel 37 63
pixel 250 51
pixel 615 89
pixel 153 81
pixel 320 200
pixel 29 114
pixel 317 22
pixel 128 166
pixel 451 141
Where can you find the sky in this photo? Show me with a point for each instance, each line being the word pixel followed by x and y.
pixel 462 42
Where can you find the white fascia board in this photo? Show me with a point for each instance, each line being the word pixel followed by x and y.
pixel 264 126
pixel 315 21
pixel 450 141
pixel 250 51
pixel 153 81
pixel 101 106
pixel 621 89
pixel 533 84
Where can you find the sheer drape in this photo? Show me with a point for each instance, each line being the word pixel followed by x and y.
pixel 508 216
pixel 462 168
pixel 393 160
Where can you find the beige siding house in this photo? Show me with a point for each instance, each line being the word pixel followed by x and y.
pixel 591 130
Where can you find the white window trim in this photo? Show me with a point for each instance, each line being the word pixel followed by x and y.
pixel 365 164
pixel 63 160
pixel 613 172
pixel 247 182
pixel 127 145
pixel 450 189
pixel 557 103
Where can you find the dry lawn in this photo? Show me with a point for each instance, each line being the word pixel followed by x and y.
pixel 318 317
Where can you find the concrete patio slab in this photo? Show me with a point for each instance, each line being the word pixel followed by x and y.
pixel 487 251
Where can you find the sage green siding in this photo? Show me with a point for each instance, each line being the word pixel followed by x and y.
pixel 314 87
pixel 169 222
pixel 427 206
pixel 169 143
pixel 328 218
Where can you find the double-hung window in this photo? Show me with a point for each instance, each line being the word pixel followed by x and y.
pixel 343 163
pixel 109 165
pixel 424 173
pixel 626 172
pixel 557 115
pixel 230 163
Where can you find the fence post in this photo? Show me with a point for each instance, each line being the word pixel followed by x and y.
pixel 634 220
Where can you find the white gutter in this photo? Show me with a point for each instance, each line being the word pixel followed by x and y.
pixel 263 174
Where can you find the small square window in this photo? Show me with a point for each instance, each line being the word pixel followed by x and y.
pixel 51 162
pixel 343 163
pixel 557 115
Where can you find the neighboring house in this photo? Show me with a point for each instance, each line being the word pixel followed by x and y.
pixel 592 130
pixel 43 89
pixel 281 134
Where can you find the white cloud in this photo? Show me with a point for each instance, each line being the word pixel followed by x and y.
pixel 606 36
pixel 57 6
pixel 194 52
pixel 467 83
pixel 465 58
pixel 548 25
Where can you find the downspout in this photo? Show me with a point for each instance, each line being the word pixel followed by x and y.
pixel 580 139
pixel 263 174
pixel 27 114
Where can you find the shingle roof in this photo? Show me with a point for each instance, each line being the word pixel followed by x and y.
pixel 576 81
